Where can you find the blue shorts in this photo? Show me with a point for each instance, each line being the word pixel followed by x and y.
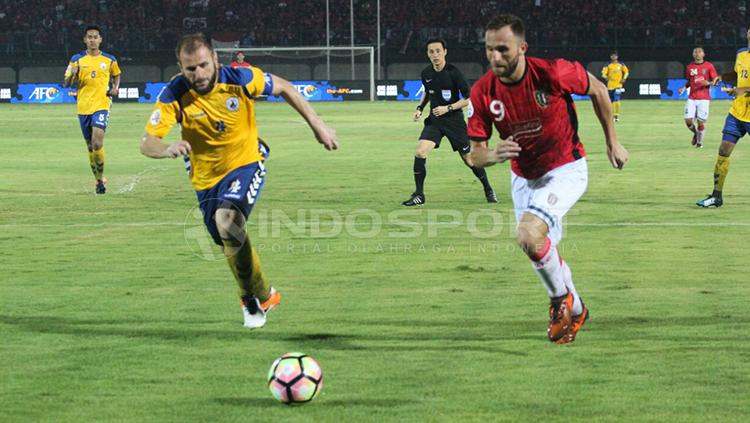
pixel 614 95
pixel 734 129
pixel 100 119
pixel 239 189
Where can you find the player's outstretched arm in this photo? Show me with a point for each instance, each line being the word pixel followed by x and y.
pixel 482 156
pixel 323 133
pixel 152 146
pixel 616 153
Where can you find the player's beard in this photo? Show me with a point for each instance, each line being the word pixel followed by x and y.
pixel 511 68
pixel 209 87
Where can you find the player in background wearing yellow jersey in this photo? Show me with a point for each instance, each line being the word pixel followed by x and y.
pixel 215 108
pixel 91 71
pixel 736 125
pixel 615 73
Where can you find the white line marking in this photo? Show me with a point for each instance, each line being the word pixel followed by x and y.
pixel 156 224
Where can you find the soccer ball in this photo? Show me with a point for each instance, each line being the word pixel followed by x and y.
pixel 295 378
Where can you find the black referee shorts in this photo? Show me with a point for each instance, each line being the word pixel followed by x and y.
pixel 454 130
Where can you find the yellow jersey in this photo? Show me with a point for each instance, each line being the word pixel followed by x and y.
pixel 220 125
pixel 615 74
pixel 741 104
pixel 94 73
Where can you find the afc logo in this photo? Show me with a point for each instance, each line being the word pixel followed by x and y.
pixel 44 93
pixel 498 109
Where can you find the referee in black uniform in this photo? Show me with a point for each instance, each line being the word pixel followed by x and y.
pixel 442 84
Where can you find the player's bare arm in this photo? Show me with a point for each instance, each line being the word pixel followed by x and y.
pixel 441 110
pixel 736 91
pixel 420 107
pixel 482 156
pixel 115 86
pixel 684 87
pixel 72 77
pixel 616 153
pixel 153 146
pixel 323 133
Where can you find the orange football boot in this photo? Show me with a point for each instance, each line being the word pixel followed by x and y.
pixel 560 319
pixel 575 325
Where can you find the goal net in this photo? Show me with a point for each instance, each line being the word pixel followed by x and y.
pixel 355 64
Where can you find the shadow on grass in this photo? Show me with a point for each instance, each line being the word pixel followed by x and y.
pixel 318 402
pixel 388 336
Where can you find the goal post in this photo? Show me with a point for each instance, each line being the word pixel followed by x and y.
pixel 345 63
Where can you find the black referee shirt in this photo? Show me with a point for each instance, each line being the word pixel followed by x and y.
pixel 443 88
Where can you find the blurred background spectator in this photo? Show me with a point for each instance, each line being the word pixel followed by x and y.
pixel 44 29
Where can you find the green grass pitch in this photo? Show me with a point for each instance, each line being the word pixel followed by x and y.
pixel 111 311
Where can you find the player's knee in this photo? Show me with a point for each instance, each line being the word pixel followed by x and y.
pixel 689 122
pixel 230 224
pixel 725 149
pixel 530 238
pixel 420 153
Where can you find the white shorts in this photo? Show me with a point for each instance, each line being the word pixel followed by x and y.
pixel 550 196
pixel 697 109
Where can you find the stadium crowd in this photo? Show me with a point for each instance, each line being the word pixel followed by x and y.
pixel 151 25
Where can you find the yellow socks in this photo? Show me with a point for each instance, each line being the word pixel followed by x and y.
pixel 616 108
pixel 720 172
pixel 245 265
pixel 96 161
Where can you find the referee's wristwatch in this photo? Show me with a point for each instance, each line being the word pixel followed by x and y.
pixel 450 107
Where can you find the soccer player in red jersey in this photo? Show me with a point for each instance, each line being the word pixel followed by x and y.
pixel 528 100
pixel 700 76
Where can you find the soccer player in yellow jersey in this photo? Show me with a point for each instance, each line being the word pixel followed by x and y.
pixel 92 70
pixel 615 73
pixel 215 108
pixel 736 125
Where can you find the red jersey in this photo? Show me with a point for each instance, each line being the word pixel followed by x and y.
pixel 696 74
pixel 236 64
pixel 537 110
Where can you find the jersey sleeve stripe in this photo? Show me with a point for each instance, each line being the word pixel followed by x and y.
pixel 174 90
pixel 109 56
pixel 267 84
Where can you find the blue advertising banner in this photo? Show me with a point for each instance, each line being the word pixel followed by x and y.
pixel 151 92
pixel 329 90
pixel 673 85
pixel 43 93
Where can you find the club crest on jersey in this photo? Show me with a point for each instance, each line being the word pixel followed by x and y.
pixel 541 99
pixel 155 117
pixel 498 109
pixel 446 94
pixel 233 104
pixel 103 66
pixel 552 199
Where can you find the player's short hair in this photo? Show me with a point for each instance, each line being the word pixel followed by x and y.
pixel 506 19
pixel 613 52
pixel 192 42
pixel 436 40
pixel 699 47
pixel 92 27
